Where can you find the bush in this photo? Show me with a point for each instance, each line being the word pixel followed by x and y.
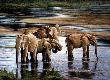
pixel 4 75
pixel 52 75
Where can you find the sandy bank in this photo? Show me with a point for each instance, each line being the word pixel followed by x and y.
pixel 64 32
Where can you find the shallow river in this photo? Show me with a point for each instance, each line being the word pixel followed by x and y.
pixel 76 69
pixel 87 70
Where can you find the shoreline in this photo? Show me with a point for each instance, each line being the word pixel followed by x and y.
pixel 73 21
pixel 64 32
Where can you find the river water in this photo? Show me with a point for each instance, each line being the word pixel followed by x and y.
pixel 76 69
pixel 87 70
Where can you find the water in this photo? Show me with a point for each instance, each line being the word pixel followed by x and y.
pixel 50 13
pixel 7 40
pixel 84 29
pixel 76 68
pixel 13 20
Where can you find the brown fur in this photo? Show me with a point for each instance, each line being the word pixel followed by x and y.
pixel 54 33
pixel 31 45
pixel 34 45
pixel 80 40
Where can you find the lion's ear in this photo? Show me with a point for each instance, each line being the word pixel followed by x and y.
pixel 94 34
pixel 88 35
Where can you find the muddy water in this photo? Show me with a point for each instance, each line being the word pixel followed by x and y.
pixel 69 70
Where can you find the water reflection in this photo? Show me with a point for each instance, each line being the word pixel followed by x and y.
pixel 28 74
pixel 46 69
pixel 86 72
pixel 47 72
pixel 85 65
pixel 59 64
pixel 50 73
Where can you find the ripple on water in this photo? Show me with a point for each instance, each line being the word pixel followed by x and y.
pixel 60 63
pixel 7 41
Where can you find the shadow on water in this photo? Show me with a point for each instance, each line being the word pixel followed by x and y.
pixel 47 72
pixel 29 74
pixel 85 72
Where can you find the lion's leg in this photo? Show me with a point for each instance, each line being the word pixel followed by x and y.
pixel 44 55
pixel 25 56
pixel 22 52
pixel 48 59
pixel 24 59
pixel 36 57
pixel 17 54
pixel 87 52
pixel 33 57
pixel 33 68
pixel 70 54
pixel 84 52
pixel 27 60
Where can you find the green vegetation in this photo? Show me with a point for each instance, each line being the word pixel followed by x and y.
pixel 52 75
pixel 4 75
pixel 33 5
pixel 31 75
pixel 24 4
pixel 27 75
pixel 31 1
pixel 45 75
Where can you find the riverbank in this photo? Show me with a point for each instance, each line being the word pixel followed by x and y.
pixel 64 31
pixel 99 35
pixel 22 6
pixel 85 18
pixel 8 31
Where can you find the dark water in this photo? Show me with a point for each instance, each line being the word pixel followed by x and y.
pixel 13 20
pixel 68 70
